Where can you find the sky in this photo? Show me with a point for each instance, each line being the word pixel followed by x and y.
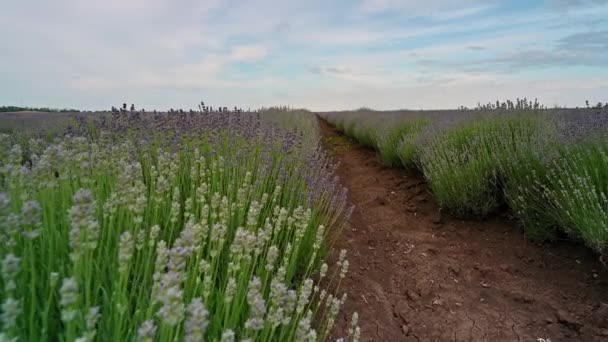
pixel 315 54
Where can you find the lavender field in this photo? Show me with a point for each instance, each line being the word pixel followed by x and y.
pixel 548 166
pixel 204 225
pixel 168 226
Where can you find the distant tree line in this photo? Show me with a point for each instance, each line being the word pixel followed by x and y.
pixel 202 108
pixel 508 105
pixel 5 109
pixel 526 104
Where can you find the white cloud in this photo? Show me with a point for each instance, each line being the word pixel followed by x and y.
pixel 248 53
pixel 415 7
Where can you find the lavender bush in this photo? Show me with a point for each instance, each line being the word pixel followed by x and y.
pixel 577 188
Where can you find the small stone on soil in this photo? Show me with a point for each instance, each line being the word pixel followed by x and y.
pixel 566 319
pixel 523 298
pixel 505 268
pixel 437 218
pixel 454 269
pixel 412 295
pixel 381 200
pixel 601 315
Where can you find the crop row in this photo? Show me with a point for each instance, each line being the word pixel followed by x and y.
pixel 157 227
pixel 549 166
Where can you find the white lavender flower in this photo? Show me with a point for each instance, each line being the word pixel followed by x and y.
pixel 68 294
pixel 217 238
pixel 357 334
pixel 304 331
pixel 289 305
pixel 264 234
pixel 322 295
pixel 353 324
pixel 84 230
pixel 230 290
pixel 197 321
pixel 146 332
pixel 333 304
pixel 227 336
pixel 140 239
pixel 11 309
pixel 224 213
pixel 178 257
pixel 92 318
pixel 278 295
pixel 341 257
pixel 344 268
pixel 175 207
pixel 31 219
pixel 257 305
pixel 4 204
pixel 204 266
pixel 271 258
pixel 323 271
pixel 11 265
pixel 304 295
pixel 319 237
pixel 253 214
pixel 12 228
pixel 162 256
pixel 172 310
pixel 242 245
pixel 154 232
pixel 125 252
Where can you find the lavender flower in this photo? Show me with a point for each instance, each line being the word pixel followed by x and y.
pixel 68 294
pixel 84 230
pixel 11 309
pixel 197 321
pixel 257 305
pixel 146 332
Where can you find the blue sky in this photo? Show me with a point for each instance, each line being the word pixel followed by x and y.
pixel 322 55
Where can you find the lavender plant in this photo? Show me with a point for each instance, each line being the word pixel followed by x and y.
pixel 398 145
pixel 463 164
pixel 577 188
pixel 136 226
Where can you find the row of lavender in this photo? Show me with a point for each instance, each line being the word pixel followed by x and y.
pixel 163 227
pixel 550 166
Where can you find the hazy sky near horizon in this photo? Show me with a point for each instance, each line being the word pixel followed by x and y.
pixel 322 55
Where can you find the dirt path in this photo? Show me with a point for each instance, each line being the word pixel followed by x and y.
pixel 417 276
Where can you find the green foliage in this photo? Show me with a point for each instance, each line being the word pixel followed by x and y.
pixel 397 146
pixel 577 186
pixel 463 164
pixel 524 191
